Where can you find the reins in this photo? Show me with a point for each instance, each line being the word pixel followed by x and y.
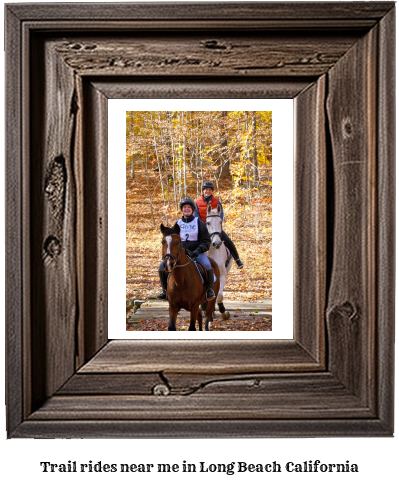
pixel 176 258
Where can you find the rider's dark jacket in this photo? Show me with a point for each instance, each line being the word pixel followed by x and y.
pixel 204 240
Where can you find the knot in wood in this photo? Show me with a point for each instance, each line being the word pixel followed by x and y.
pixel 347 310
pixel 161 390
pixel 347 128
pixel 52 246
pixel 50 189
pixel 51 249
pixel 213 44
pixel 54 186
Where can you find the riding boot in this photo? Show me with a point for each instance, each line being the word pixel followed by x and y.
pixel 234 253
pixel 210 294
pixel 162 278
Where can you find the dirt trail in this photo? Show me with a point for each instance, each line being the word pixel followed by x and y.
pixel 257 315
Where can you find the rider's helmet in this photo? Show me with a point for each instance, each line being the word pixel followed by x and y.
pixel 187 201
pixel 208 184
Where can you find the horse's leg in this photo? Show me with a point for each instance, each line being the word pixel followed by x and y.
pixel 222 309
pixel 221 287
pixel 209 321
pixel 193 318
pixel 199 319
pixel 172 318
pixel 209 314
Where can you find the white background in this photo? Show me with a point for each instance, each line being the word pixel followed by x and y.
pixel 282 120
pixel 377 457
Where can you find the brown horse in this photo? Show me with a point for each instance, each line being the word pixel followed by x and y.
pixel 185 289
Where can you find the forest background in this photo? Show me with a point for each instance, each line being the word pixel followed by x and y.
pixel 169 154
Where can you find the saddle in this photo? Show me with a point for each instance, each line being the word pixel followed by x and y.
pixel 202 271
pixel 204 276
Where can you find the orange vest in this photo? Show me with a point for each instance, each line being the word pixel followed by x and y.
pixel 203 206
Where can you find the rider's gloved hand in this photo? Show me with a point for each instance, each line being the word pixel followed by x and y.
pixel 192 253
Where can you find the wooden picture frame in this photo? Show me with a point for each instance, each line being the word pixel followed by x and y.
pixel 335 378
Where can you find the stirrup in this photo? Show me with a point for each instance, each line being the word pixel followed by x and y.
pixel 162 295
pixel 210 294
pixel 240 265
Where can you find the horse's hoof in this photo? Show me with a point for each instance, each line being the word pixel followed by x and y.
pixel 226 315
pixel 171 329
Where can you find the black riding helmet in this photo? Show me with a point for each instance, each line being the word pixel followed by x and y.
pixel 187 201
pixel 209 185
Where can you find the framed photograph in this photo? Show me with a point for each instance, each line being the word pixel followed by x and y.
pixel 65 377
pixel 161 169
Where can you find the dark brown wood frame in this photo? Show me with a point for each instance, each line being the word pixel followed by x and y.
pixel 63 62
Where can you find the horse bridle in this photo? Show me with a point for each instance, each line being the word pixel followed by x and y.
pixel 214 233
pixel 173 257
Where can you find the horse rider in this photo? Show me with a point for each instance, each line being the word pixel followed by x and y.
pixel 196 241
pixel 201 206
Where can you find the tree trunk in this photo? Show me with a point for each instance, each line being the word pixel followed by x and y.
pixel 255 166
pixel 132 175
pixel 224 169
pixel 148 189
pixel 184 157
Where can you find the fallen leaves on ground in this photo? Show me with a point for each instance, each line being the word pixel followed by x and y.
pixel 144 253
pixel 258 324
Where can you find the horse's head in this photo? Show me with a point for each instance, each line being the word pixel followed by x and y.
pixel 171 245
pixel 214 225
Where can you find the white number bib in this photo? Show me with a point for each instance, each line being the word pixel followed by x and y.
pixel 189 231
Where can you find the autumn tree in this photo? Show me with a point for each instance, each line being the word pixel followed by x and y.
pixel 169 154
pixel 187 148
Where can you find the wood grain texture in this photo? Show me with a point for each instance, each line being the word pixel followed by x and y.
pixel 53 217
pixel 209 407
pixel 199 87
pixel 208 11
pixel 200 356
pixel 15 207
pixel 185 384
pixel 310 242
pixel 385 201
pixel 247 55
pixel 335 377
pixel 95 202
pixel 109 384
pixel 352 127
pixel 192 428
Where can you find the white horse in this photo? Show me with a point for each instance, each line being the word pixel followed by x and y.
pixel 219 253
